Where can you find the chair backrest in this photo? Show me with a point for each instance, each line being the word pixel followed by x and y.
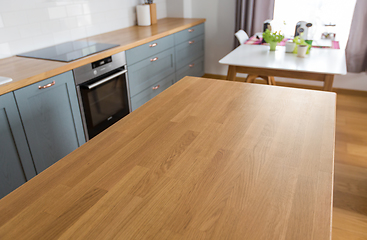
pixel 241 36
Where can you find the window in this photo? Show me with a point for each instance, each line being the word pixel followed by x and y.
pixel 318 12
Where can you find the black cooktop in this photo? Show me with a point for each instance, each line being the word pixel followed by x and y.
pixel 69 51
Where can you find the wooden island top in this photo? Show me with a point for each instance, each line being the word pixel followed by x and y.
pixel 205 159
pixel 25 71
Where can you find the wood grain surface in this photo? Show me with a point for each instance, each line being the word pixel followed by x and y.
pixel 205 159
pixel 25 71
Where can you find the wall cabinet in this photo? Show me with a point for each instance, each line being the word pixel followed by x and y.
pixel 16 166
pixel 155 66
pixel 51 118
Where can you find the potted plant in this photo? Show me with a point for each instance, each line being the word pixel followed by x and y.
pixel 300 41
pixel 272 38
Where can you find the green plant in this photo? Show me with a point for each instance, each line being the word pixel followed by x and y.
pixel 300 41
pixel 272 37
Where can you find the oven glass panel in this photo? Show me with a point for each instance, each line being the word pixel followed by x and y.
pixel 104 104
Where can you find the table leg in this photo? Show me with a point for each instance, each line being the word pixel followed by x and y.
pixel 328 82
pixel 251 78
pixel 272 81
pixel 231 73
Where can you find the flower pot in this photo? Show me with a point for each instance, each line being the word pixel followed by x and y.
pixel 273 46
pixel 302 49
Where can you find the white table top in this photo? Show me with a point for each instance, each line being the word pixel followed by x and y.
pixel 320 60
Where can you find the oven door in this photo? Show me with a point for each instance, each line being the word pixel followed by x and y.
pixel 105 100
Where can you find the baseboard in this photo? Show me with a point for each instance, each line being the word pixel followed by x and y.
pixel 295 85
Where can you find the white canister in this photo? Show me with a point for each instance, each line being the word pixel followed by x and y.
pixel 143 12
pixel 289 46
pixel 302 49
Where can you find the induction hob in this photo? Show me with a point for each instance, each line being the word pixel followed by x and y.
pixel 69 51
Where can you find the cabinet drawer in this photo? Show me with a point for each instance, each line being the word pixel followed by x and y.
pixel 189 33
pixel 142 73
pixel 188 51
pixel 194 69
pixel 151 92
pixel 139 53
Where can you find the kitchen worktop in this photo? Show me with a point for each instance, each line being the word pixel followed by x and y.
pixel 26 71
pixel 205 159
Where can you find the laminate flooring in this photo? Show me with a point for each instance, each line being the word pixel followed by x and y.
pixel 350 189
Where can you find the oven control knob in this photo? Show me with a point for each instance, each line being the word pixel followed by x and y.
pixel 95 72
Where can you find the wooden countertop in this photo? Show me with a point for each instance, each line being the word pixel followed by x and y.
pixel 205 159
pixel 26 71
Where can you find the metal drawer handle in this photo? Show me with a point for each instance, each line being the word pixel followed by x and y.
pixel 191 42
pixel 154 59
pixel 191 65
pixel 153 45
pixel 47 85
pixel 191 30
pixel 156 87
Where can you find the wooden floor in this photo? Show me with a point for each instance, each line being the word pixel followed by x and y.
pixel 350 190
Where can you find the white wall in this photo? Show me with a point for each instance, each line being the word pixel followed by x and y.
pixel 219 27
pixel 32 24
pixel 219 33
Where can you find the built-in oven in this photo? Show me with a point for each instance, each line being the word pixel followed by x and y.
pixel 103 93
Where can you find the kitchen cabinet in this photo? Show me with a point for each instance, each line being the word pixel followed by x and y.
pixel 51 118
pixel 151 69
pixel 16 166
pixel 151 91
pixel 154 66
pixel 189 52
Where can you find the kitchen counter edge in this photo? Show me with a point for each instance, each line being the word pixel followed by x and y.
pixel 15 65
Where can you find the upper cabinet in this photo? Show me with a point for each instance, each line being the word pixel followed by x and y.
pixel 51 117
pixel 16 166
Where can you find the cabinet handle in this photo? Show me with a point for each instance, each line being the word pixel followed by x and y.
pixel 47 85
pixel 154 59
pixel 156 87
pixel 191 65
pixel 191 30
pixel 191 42
pixel 153 45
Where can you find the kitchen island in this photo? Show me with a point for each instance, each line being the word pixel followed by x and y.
pixel 205 159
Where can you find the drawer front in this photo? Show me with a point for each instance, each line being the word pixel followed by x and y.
pixel 189 33
pixel 139 53
pixel 143 73
pixel 188 51
pixel 151 91
pixel 194 69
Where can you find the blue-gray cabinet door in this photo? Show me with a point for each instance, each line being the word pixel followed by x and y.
pixel 50 113
pixel 16 166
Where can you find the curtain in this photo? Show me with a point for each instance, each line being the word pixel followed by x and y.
pixel 251 14
pixel 356 50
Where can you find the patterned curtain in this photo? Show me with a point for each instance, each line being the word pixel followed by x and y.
pixel 251 14
pixel 356 50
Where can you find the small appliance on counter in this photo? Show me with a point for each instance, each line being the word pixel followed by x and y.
pixel 267 25
pixel 302 28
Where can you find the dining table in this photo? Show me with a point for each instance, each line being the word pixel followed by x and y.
pixel 205 159
pixel 321 64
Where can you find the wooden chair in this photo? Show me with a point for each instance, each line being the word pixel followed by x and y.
pixel 242 37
